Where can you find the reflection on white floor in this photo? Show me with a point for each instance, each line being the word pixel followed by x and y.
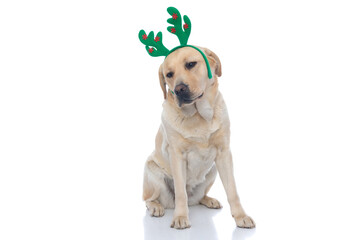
pixel 209 224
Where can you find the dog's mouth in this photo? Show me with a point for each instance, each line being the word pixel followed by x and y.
pixel 199 96
pixel 188 100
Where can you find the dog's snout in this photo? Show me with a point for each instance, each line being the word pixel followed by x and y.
pixel 181 90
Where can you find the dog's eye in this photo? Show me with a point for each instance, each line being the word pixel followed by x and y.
pixel 190 65
pixel 170 75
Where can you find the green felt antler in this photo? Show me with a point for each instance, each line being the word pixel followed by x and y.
pixel 177 29
pixel 153 45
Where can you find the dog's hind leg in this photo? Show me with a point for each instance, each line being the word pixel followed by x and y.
pixel 206 200
pixel 155 190
pixel 152 189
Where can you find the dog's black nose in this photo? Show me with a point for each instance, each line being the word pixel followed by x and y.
pixel 182 90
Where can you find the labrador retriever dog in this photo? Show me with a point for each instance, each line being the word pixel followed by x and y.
pixel 192 143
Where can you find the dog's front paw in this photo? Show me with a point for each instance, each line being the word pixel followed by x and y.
pixel 245 222
pixel 180 222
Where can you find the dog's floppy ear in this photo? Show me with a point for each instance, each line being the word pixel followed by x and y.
pixel 162 81
pixel 212 57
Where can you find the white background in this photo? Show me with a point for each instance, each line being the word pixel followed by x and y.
pixel 80 105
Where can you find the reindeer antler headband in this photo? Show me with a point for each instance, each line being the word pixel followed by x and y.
pixel 156 48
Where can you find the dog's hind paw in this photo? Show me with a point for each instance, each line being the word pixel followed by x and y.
pixel 210 202
pixel 155 209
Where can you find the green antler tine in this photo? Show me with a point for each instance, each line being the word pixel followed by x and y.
pixel 153 45
pixel 187 25
pixel 177 29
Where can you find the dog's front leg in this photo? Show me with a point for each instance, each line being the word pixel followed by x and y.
pixel 178 168
pixel 224 165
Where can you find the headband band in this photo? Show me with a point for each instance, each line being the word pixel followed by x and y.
pixel 201 52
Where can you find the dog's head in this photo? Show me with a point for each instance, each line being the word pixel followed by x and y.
pixel 185 73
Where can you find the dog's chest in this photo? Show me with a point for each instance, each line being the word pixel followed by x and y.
pixel 199 162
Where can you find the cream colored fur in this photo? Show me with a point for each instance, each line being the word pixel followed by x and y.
pixel 192 143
